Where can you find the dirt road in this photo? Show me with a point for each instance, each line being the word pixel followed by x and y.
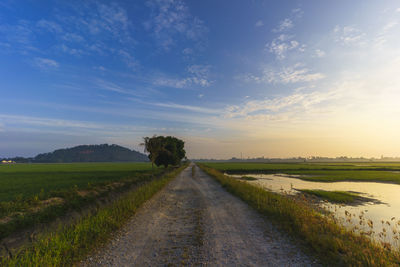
pixel 195 222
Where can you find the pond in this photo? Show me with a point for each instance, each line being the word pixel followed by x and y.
pixel 380 219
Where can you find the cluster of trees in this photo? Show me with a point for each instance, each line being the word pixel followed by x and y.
pixel 164 150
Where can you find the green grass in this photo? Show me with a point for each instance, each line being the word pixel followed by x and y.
pixel 323 172
pixel 330 241
pixel 332 196
pixel 69 244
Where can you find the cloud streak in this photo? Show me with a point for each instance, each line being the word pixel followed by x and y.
pixel 189 108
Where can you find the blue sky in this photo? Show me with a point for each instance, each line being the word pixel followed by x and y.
pixel 265 78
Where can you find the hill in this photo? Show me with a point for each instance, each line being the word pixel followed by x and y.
pixel 91 153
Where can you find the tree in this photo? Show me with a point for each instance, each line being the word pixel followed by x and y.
pixel 164 151
pixel 152 145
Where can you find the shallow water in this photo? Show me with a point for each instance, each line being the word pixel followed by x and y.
pixel 387 194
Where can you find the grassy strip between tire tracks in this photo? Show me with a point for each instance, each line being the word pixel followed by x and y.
pixel 332 243
pixel 69 244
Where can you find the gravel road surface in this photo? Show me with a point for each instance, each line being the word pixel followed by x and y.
pixel 193 221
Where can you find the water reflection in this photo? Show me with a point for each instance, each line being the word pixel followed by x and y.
pixel 384 216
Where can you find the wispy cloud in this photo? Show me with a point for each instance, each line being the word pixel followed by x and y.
pixel 130 60
pixel 89 28
pixel 293 74
pixel 319 53
pixel 182 83
pixel 297 13
pixel 284 25
pixel 70 50
pixel 187 51
pixel 49 26
pixel 259 23
pixel 73 38
pixel 110 86
pixel 386 33
pixel 202 71
pixel 349 35
pixel 282 44
pixel 46 63
pixel 198 75
pixel 20 36
pixel 171 18
pixel 40 121
pixel 189 108
pixel 282 108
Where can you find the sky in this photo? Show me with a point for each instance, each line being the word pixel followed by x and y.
pixel 239 77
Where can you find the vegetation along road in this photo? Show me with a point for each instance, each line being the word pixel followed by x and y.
pixel 194 221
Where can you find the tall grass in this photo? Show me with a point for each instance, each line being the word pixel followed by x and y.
pixel 69 244
pixel 330 241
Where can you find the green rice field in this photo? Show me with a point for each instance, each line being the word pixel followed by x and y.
pixel 38 193
pixel 22 181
